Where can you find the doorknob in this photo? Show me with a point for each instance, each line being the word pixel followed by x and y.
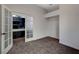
pixel 3 33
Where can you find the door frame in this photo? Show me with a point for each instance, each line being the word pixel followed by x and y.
pixel 24 16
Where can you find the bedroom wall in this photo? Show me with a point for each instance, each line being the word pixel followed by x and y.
pixel 39 22
pixel 69 25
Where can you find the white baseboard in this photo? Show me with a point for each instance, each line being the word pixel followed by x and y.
pixel 69 44
pixel 37 38
pixel 54 37
pixel 32 39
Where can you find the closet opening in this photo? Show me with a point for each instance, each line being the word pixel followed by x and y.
pixel 53 27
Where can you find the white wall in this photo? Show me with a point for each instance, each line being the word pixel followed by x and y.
pixel 53 27
pixel 69 25
pixel 0 27
pixel 39 22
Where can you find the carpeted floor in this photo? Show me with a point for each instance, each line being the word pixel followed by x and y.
pixel 43 46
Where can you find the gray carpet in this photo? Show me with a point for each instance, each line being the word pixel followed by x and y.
pixel 43 46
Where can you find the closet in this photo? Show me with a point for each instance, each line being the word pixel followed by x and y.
pixel 53 23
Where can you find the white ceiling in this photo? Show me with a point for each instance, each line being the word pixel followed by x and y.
pixel 49 7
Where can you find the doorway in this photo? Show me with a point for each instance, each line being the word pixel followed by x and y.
pixel 22 27
pixel 18 27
